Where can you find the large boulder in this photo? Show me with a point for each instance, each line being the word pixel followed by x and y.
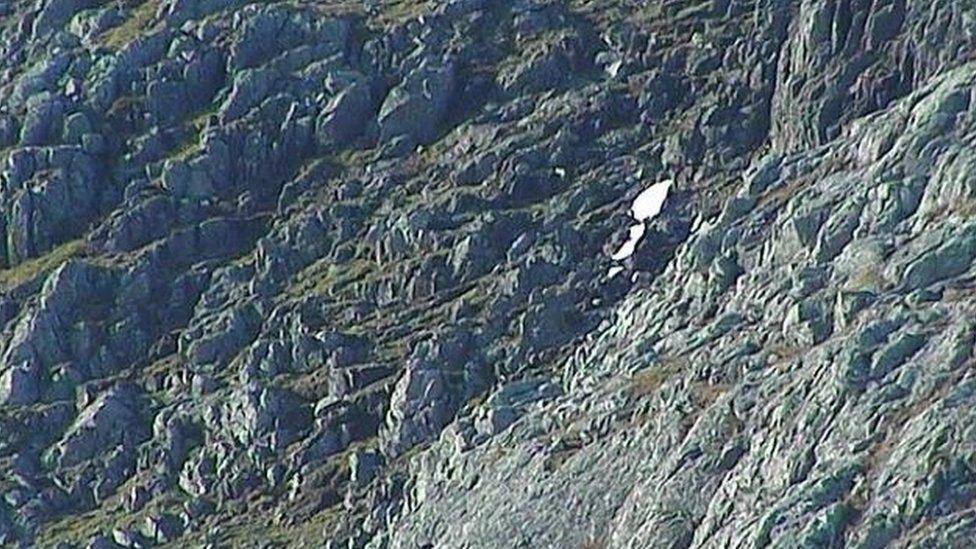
pixel 415 109
pixel 114 418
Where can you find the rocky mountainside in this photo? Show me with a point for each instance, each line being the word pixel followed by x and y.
pixel 368 274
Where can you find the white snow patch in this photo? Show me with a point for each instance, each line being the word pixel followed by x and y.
pixel 650 202
pixel 613 69
pixel 628 248
pixel 647 205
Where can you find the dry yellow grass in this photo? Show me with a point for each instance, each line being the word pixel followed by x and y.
pixel 869 278
pixel 651 378
pixel 28 270
pixel 704 393
pixel 137 24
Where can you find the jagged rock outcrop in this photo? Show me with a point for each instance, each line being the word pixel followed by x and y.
pixel 337 274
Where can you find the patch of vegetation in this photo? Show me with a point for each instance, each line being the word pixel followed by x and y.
pixel 785 351
pixel 186 149
pixel 352 158
pixel 112 515
pixel 557 459
pixel 137 24
pixel 32 268
pixel 327 278
pixel 396 12
pixel 593 543
pixel 199 119
pixel 334 8
pixel 307 533
pixel 650 379
pixel 869 278
pixel 125 102
pixel 704 393
pixel 952 294
pixel 651 10
pixel 75 527
pixel 780 195
pixel 196 123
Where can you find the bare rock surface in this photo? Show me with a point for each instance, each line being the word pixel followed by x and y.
pixel 346 274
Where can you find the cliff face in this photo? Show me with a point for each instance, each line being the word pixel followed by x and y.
pixel 324 273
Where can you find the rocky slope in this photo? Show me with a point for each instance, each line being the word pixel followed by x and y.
pixel 329 273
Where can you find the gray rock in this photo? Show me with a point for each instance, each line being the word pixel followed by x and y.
pixel 42 125
pixel 20 384
pixel 364 466
pixel 511 401
pixel 417 107
pixel 267 31
pixel 126 537
pixel 114 418
pixel 544 71
pixel 251 87
pixel 162 528
pixel 9 130
pixel 427 396
pixel 56 13
pixel 50 201
pixel 102 542
pixel 76 125
pixel 345 273
pixel 950 259
pixel 345 116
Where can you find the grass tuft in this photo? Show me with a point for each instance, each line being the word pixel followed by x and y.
pixel 869 278
pixel 650 379
pixel 32 268
pixel 132 28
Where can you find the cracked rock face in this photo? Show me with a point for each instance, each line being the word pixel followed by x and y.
pixel 336 274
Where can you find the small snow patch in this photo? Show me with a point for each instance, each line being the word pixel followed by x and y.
pixel 646 206
pixel 629 247
pixel 650 202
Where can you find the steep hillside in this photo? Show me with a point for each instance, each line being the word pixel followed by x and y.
pixel 372 274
